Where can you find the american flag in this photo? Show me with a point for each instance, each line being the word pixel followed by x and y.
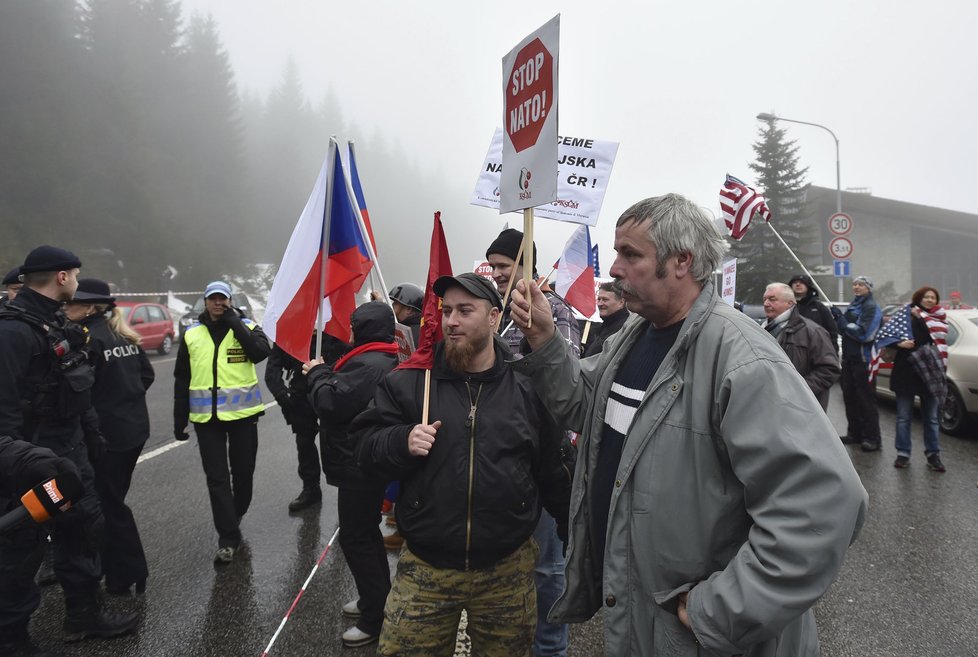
pixel 739 203
pixel 897 329
pixel 597 267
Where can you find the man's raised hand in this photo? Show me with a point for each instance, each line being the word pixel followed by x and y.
pixel 543 319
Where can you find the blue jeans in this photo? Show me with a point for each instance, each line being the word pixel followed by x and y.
pixel 550 639
pixel 928 414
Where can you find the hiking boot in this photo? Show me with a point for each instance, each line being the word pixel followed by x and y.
pixel 355 638
pixel 352 609
pixel 901 461
pixel 393 541
pixel 934 463
pixel 869 446
pixel 307 498
pixel 224 555
pixel 85 617
pixel 849 440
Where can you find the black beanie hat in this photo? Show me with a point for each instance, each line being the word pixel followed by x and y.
pixel 49 258
pixel 508 244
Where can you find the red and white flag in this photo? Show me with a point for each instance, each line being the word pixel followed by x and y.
pixel 324 236
pixel 575 273
pixel 739 203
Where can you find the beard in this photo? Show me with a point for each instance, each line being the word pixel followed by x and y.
pixel 460 355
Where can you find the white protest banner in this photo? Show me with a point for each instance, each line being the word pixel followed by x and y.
pixel 529 178
pixel 729 285
pixel 584 167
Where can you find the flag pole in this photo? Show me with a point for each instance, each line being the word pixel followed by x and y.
pixel 587 330
pixel 528 259
pixel 800 264
pixel 427 396
pixel 509 283
pixel 363 230
pixel 324 247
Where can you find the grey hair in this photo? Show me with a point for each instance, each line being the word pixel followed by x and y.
pixel 677 225
pixel 784 291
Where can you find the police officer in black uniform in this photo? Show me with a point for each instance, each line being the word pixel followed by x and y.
pixel 123 373
pixel 45 398
pixel 283 376
pixel 12 285
pixel 406 301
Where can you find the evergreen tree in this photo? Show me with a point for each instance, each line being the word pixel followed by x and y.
pixel 761 258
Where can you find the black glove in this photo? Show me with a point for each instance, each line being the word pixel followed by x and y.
pixel 181 433
pixel 231 317
pixel 836 311
pixel 95 444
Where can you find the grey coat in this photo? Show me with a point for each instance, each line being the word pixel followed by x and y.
pixel 732 484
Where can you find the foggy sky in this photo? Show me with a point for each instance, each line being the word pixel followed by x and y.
pixel 677 84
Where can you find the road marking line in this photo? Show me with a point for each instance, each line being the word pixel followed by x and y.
pixel 176 443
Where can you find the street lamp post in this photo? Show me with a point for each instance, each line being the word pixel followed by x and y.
pixel 765 116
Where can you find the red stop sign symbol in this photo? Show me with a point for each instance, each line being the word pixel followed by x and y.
pixel 530 94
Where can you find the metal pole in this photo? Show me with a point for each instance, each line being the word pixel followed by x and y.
pixel 765 116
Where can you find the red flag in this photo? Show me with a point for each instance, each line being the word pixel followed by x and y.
pixel 439 265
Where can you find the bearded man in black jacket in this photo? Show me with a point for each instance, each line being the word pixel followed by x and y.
pixel 472 484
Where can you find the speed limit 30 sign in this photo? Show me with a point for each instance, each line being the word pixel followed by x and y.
pixel 840 224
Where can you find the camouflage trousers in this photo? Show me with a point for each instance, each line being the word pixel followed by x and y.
pixel 425 605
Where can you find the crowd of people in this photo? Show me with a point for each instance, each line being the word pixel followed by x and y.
pixel 540 473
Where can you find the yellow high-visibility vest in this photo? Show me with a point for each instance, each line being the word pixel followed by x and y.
pixel 235 394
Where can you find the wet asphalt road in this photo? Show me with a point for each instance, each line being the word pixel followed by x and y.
pixel 909 585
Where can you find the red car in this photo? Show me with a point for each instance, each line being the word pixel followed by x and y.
pixel 152 321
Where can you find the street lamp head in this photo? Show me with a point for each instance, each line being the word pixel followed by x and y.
pixel 765 116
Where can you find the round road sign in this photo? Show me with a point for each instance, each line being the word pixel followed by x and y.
pixel 840 224
pixel 530 94
pixel 840 248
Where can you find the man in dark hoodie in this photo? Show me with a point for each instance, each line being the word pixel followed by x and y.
pixel 338 393
pixel 474 473
pixel 809 307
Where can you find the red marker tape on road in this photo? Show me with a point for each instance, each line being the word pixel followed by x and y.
pixel 295 602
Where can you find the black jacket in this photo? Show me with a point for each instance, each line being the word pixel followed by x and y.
pixel 27 366
pixel 475 498
pixel 339 396
pixel 23 466
pixel 283 376
pixel 253 341
pixel 904 379
pixel 608 327
pixel 123 374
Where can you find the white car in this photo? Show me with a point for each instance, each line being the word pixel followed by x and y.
pixel 961 406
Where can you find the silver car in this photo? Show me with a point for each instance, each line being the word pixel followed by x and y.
pixel 960 409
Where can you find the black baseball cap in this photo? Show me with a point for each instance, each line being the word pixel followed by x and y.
pixel 477 286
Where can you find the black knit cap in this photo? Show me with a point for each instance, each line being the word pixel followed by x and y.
pixel 49 258
pixel 93 290
pixel 508 244
pixel 477 286
pixel 12 277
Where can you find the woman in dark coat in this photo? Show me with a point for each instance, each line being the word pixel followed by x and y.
pixel 123 373
pixel 906 383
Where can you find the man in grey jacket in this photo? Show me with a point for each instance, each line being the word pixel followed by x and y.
pixel 711 505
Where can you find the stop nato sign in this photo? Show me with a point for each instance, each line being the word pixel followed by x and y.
pixel 530 95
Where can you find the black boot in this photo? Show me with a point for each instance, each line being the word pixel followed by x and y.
pixel 17 643
pixel 45 574
pixel 309 496
pixel 85 616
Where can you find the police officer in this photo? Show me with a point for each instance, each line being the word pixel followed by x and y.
pixel 406 300
pixel 216 388
pixel 123 373
pixel 12 285
pixel 45 391
pixel 283 376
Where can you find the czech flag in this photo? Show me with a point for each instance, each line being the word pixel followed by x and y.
pixel 326 235
pixel 361 201
pixel 575 275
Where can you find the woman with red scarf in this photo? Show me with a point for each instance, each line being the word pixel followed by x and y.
pixel 338 394
pixel 920 374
